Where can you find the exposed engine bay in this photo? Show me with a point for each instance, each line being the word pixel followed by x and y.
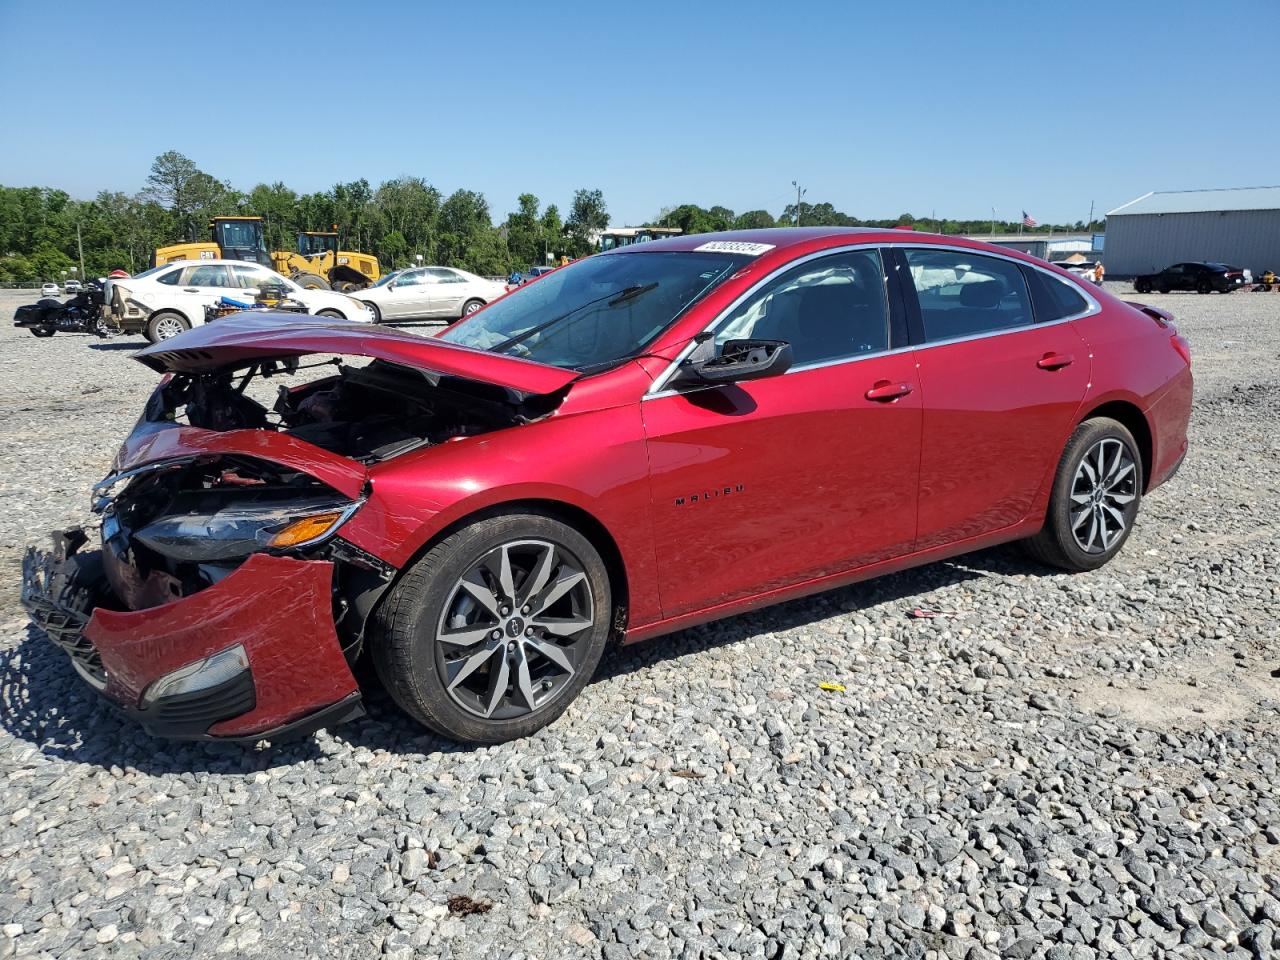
pixel 175 527
pixel 367 413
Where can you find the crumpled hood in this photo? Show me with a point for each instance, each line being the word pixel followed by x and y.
pixel 242 338
pixel 163 443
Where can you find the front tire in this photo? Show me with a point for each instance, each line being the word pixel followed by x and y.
pixel 44 330
pixel 331 314
pixel 1096 494
pixel 165 325
pixel 496 629
pixel 377 314
pixel 311 281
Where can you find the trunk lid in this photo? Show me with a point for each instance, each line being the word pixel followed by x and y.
pixel 243 338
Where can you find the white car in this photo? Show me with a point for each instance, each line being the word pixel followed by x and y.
pixel 430 293
pixel 164 301
pixel 49 290
pixel 72 286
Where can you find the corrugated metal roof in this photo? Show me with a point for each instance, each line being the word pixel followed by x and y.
pixel 1202 201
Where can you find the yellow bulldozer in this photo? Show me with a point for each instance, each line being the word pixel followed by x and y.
pixel 317 263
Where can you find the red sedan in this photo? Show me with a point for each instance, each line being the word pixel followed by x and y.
pixel 646 439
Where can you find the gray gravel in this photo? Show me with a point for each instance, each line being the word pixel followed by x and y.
pixel 1054 766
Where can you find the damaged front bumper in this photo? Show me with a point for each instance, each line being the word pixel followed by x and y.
pixel 255 656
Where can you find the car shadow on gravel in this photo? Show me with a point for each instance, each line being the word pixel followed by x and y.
pixel 117 346
pixel 903 588
pixel 43 701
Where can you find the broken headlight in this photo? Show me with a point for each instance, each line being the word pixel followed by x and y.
pixel 232 529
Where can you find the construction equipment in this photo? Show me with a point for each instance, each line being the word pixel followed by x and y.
pixel 317 264
pixel 318 255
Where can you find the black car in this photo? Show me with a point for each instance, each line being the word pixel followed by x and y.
pixel 1200 277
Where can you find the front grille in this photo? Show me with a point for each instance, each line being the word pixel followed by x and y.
pixel 194 713
pixel 62 618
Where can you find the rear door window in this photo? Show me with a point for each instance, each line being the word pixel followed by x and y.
pixel 209 275
pixel 963 294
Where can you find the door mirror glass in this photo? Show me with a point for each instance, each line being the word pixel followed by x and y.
pixel 736 361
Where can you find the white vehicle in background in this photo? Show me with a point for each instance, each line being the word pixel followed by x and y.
pixel 165 301
pixel 430 293
pixel 49 290
pixel 72 287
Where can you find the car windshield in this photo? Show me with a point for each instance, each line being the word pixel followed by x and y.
pixel 388 277
pixel 597 311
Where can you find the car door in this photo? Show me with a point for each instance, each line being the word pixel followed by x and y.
pixel 763 484
pixel 202 285
pixel 1000 390
pixel 447 292
pixel 409 296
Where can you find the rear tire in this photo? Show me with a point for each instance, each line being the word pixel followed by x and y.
pixel 1142 286
pixel 497 665
pixel 1203 287
pixel 471 306
pixel 1089 521
pixel 1164 288
pixel 165 325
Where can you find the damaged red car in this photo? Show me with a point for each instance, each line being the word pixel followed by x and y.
pixel 650 438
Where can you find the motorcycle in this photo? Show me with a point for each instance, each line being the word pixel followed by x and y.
pixel 81 314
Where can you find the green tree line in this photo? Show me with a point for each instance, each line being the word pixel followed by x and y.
pixel 44 232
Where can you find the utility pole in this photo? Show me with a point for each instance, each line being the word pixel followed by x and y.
pixel 993 221
pixel 84 278
pixel 1088 224
pixel 799 193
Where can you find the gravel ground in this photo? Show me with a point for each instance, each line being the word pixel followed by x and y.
pixel 1052 766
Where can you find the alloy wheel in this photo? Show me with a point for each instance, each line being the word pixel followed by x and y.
pixel 470 308
pixel 1105 483
pixel 167 327
pixel 511 633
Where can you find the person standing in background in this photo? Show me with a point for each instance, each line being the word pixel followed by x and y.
pixel 1099 271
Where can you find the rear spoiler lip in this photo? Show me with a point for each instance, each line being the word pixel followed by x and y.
pixel 1162 317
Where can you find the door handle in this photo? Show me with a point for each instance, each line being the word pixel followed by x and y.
pixel 1055 361
pixel 190 290
pixel 886 391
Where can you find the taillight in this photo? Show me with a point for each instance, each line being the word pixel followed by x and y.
pixel 1182 346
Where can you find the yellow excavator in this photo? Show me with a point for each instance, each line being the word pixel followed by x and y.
pixel 317 263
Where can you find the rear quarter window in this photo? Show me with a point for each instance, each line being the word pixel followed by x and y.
pixel 1053 298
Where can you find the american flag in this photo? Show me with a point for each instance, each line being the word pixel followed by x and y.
pixel 1028 220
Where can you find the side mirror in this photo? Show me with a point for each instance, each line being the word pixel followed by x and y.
pixel 738 360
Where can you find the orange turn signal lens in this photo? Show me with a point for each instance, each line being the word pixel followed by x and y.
pixel 308 528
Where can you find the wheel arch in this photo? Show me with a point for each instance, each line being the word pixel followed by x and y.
pixel 570 514
pixel 1135 421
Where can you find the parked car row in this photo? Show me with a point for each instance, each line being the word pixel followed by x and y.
pixel 165 301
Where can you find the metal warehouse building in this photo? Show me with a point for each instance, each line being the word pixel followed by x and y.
pixel 1237 226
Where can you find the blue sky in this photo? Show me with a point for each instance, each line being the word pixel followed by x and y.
pixel 877 108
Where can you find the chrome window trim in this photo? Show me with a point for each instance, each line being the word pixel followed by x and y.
pixel 658 387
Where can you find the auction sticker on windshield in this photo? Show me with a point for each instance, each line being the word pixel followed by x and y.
pixel 734 246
